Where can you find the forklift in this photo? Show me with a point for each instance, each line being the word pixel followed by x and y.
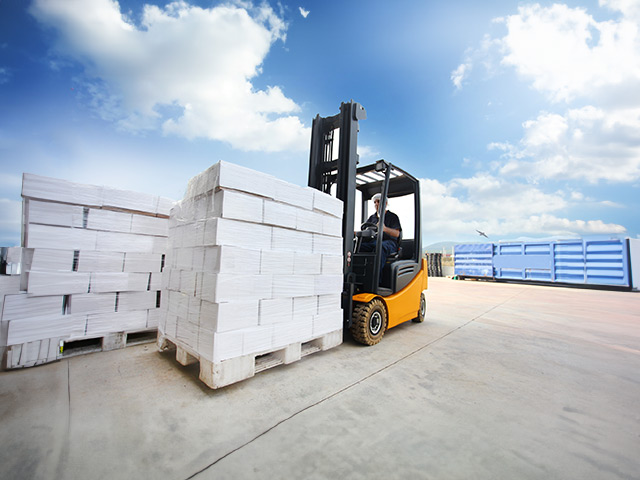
pixel 371 302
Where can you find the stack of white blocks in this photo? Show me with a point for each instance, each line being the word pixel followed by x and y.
pixel 91 266
pixel 255 265
pixel 9 285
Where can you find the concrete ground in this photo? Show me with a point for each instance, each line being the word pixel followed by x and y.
pixel 503 381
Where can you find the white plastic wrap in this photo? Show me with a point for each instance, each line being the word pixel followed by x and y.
pixel 46 236
pixel 164 206
pixel 245 179
pixel 145 225
pixel 52 213
pixel 85 303
pixel 276 310
pixel 93 261
pixel 57 283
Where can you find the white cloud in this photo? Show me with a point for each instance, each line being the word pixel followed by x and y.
pixel 454 210
pixel 459 74
pixel 587 143
pixel 303 12
pixel 195 63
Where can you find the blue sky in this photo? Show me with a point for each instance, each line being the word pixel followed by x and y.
pixel 522 120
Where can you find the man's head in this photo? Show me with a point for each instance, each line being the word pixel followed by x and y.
pixel 376 201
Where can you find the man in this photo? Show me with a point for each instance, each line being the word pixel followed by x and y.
pixel 390 233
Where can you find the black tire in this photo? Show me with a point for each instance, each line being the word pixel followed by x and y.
pixel 422 312
pixel 369 322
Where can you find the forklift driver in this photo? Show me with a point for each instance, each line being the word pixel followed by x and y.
pixel 390 237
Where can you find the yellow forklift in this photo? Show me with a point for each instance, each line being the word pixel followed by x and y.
pixel 372 302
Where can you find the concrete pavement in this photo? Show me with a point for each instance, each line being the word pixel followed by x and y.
pixel 502 381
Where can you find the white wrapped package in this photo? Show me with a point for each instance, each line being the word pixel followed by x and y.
pixel 118 282
pixel 164 206
pixel 275 310
pixel 229 259
pixel 237 206
pixel 57 283
pixel 136 262
pixel 46 236
pixel 329 303
pixel 189 281
pixel 153 318
pixel 128 200
pixel 225 345
pixel 178 304
pixel 301 197
pixel 35 186
pixel 331 226
pixel 327 322
pixel 276 262
pixel 305 307
pixel 328 284
pixel 103 323
pixel 109 221
pixel 160 245
pixel 9 284
pixel 53 213
pixel 257 339
pixel 183 258
pixel 224 287
pixel 326 203
pixel 231 176
pixel 332 264
pixel 285 334
pixel 309 221
pixel 292 240
pixel 128 301
pixel 124 242
pixel 85 303
pixel 221 231
pixel 327 245
pixel 49 259
pixel 293 285
pixel 222 317
pixel 92 261
pixel 306 264
pixel 155 281
pixel 145 225
pixel 49 326
pixel 22 306
pixel 279 214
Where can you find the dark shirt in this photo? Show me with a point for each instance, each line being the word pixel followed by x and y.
pixel 391 220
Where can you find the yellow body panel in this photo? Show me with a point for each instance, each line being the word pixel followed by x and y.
pixel 403 305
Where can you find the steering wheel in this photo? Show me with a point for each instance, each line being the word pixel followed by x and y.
pixel 369 226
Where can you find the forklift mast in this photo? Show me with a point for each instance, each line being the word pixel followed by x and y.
pixel 326 171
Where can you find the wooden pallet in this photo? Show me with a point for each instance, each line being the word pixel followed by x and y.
pixel 51 349
pixel 226 372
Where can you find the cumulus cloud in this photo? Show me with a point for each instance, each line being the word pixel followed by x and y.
pixel 484 202
pixel 183 69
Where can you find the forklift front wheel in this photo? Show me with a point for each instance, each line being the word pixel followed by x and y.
pixel 369 322
pixel 422 313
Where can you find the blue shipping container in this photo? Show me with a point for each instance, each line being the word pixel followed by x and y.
pixel 473 260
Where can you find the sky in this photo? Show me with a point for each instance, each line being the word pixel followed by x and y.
pixel 521 119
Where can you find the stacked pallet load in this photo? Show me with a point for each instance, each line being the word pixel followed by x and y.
pixel 92 261
pixel 254 275
pixel 10 265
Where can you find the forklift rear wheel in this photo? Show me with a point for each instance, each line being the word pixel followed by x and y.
pixel 369 322
pixel 422 313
